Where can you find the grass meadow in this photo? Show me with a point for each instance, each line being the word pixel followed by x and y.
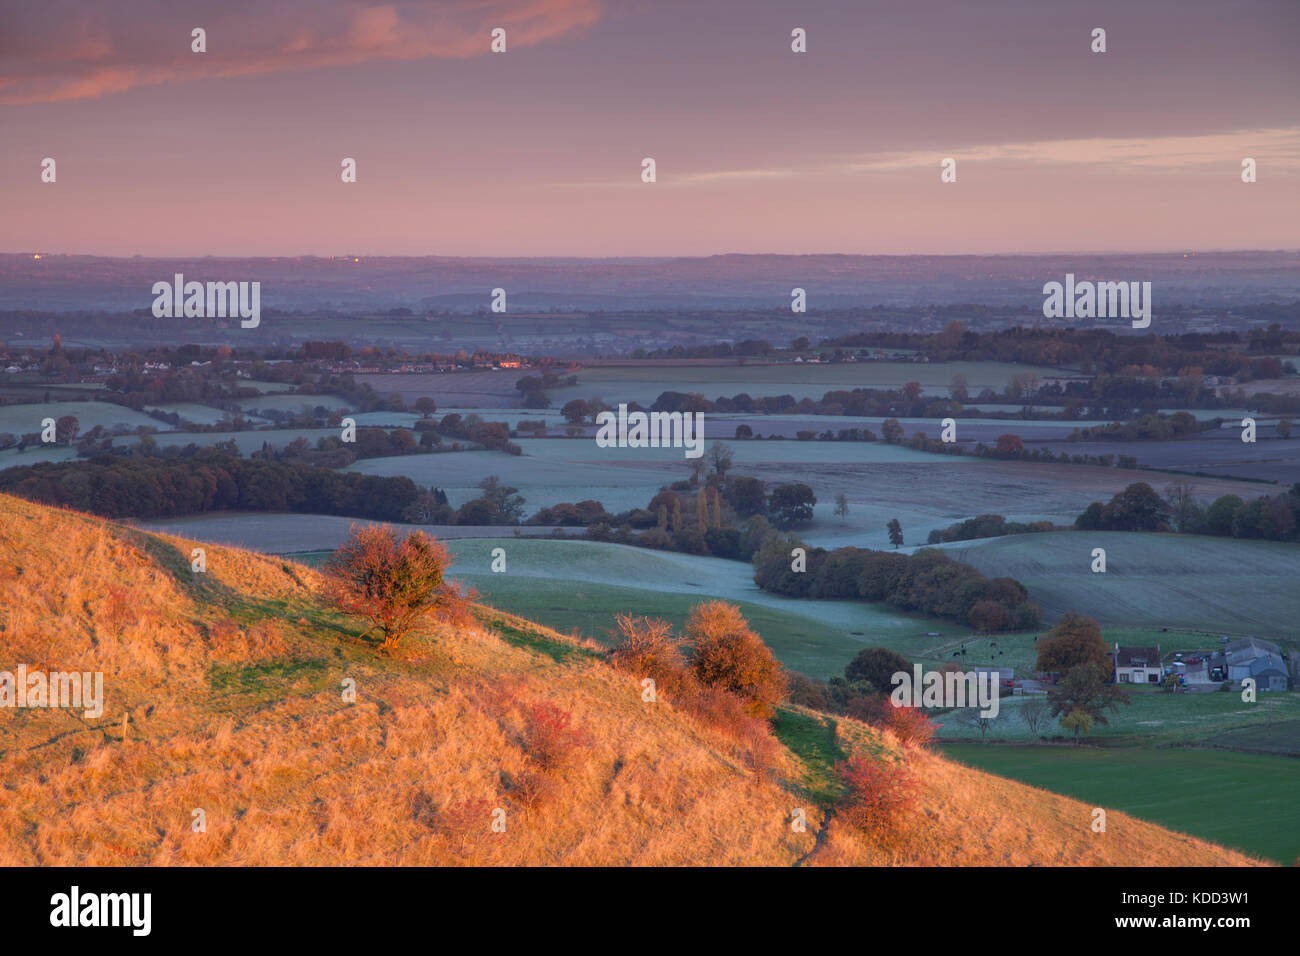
pixel 1245 801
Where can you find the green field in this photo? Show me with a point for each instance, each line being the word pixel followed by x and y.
pixel 1153 717
pixel 1153 580
pixel 1246 801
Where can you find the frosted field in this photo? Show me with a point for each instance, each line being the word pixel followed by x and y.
pixel 18 419
pixel 199 414
pixel 542 481
pixel 35 454
pixel 1156 580
pixel 745 452
pixel 615 384
pixel 248 441
pixel 384 419
pixel 291 403
pixel 555 470
pixel 266 388
pixel 801 381
pixel 924 491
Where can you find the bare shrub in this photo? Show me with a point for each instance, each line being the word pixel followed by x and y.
pixel 648 648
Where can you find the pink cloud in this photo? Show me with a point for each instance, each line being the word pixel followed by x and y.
pixel 59 50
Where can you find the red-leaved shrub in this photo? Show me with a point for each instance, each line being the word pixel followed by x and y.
pixel 551 740
pixel 877 797
pixel 911 726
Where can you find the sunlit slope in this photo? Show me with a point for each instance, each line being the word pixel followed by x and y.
pixel 224 695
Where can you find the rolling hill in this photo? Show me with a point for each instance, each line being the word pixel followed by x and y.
pixel 223 695
pixel 1152 580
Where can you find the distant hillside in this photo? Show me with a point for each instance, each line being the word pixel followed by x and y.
pixel 68 282
pixel 223 694
pixel 1152 580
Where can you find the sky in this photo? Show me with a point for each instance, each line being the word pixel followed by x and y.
pixel 537 151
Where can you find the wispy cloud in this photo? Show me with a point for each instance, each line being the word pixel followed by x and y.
pixel 734 175
pixel 1274 146
pixel 66 50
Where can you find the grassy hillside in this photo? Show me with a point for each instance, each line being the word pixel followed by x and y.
pixel 223 694
pixel 1153 580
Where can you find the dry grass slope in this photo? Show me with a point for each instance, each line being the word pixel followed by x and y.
pixel 224 693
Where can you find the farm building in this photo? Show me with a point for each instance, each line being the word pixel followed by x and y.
pixel 1137 665
pixel 1004 677
pixel 1246 649
pixel 1268 670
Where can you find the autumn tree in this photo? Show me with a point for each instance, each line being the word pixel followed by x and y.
pixel 66 428
pixel 728 655
pixel 1075 640
pixel 509 505
pixel 1137 508
pixel 575 412
pixel 392 583
pixel 877 665
pixel 1083 690
pixel 1077 721
pixel 746 495
pixel 1185 511
pixel 791 504
pixel 1010 445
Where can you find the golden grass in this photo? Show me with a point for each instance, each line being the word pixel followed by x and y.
pixel 230 683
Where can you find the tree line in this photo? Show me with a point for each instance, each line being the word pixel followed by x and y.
pixel 926 582
pixel 210 480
